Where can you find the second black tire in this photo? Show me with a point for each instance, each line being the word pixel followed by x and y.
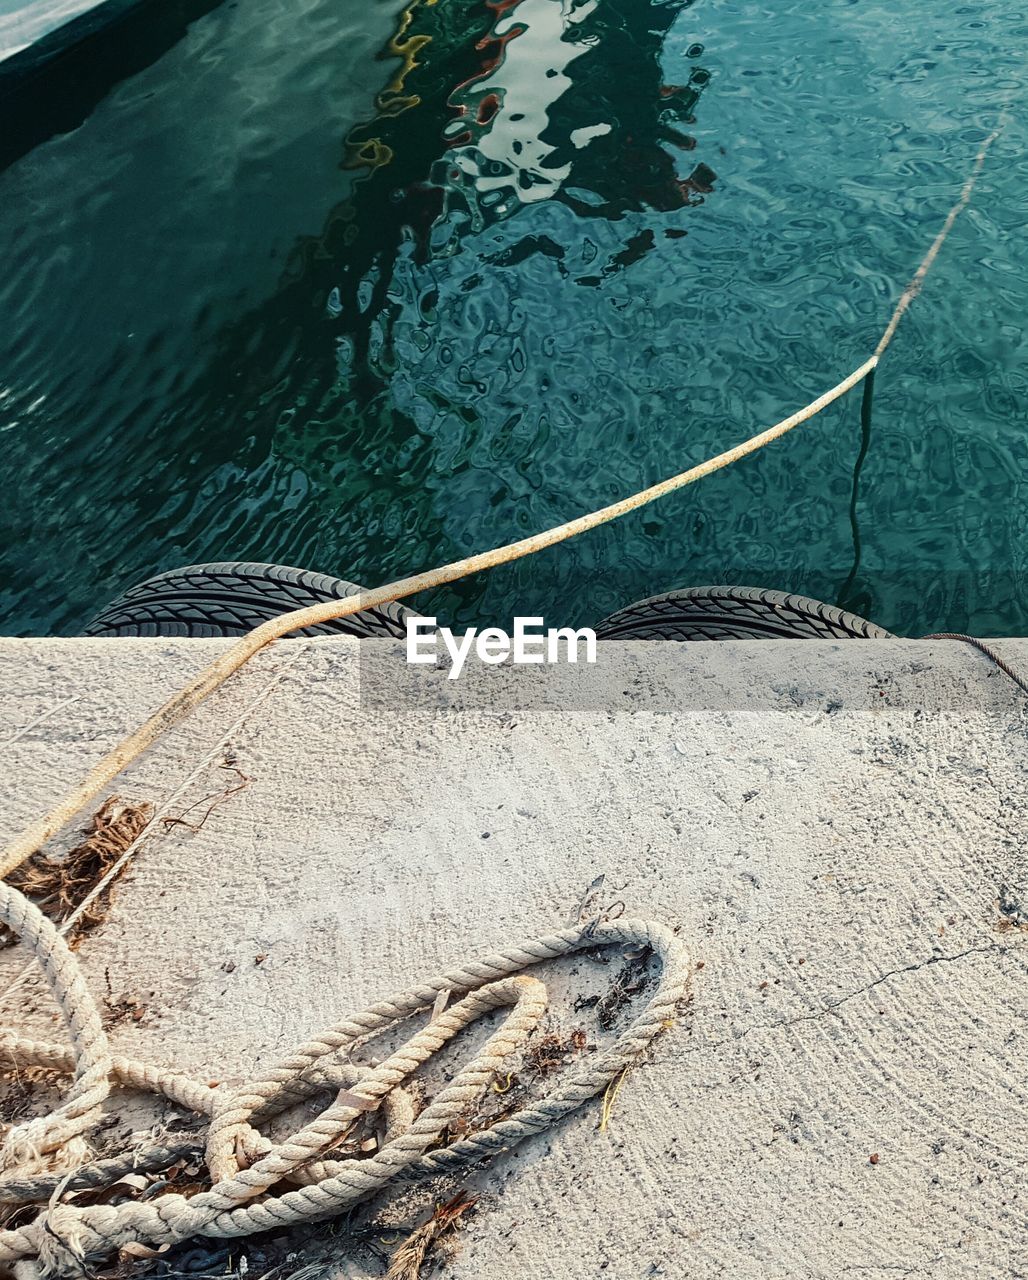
pixel 735 613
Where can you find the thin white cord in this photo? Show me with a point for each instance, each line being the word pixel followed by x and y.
pixel 163 811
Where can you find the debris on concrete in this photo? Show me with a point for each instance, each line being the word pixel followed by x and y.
pixel 880 842
pixel 60 883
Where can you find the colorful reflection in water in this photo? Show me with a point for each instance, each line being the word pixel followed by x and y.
pixel 365 288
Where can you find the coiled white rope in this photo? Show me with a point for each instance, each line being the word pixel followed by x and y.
pixel 247 1170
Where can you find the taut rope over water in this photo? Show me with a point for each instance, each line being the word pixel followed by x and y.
pixel 187 699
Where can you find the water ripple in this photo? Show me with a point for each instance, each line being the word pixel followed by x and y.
pixel 367 287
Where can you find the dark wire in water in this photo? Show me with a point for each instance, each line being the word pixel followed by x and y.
pixel 865 444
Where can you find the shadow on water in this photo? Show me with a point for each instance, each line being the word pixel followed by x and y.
pixel 491 109
pixel 51 87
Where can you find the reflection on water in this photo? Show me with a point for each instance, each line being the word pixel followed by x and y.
pixel 484 116
pixel 364 288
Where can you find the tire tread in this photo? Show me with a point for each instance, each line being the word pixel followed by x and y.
pixel 229 598
pixel 735 613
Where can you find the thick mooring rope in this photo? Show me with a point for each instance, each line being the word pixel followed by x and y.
pixel 212 677
pixel 247 1170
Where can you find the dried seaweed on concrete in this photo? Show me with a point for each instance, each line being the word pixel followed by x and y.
pixel 59 884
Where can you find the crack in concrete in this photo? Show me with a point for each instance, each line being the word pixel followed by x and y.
pixel 832 1006
pixel 900 1270
pixel 916 967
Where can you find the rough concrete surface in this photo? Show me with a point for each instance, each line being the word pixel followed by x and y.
pixel 838 831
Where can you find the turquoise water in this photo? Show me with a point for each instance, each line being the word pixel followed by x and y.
pixel 364 288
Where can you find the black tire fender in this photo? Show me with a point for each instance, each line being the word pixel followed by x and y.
pixel 231 598
pixel 735 613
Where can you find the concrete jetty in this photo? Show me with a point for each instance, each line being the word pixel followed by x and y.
pixel 836 829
